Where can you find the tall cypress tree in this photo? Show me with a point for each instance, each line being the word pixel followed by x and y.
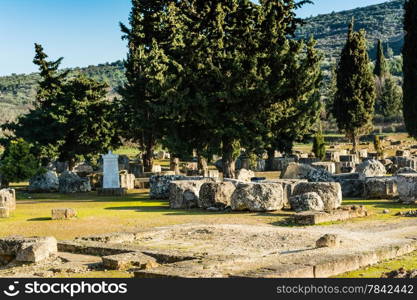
pixel 354 100
pixel 410 67
pixel 381 67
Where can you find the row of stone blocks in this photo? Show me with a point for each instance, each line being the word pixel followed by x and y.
pixel 263 196
pixel 402 186
pixel 7 202
pixel 26 250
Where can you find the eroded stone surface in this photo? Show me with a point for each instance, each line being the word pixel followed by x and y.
pixel 307 202
pixel 63 213
pixel 371 168
pixel 216 194
pixel 44 183
pixel 28 249
pixel 8 199
pixel 303 171
pixel 185 193
pixel 258 197
pixel 330 192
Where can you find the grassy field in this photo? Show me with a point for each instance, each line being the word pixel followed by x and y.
pixel 98 215
pixel 136 211
pixel 408 262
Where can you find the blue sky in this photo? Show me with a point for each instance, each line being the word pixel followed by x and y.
pixel 84 32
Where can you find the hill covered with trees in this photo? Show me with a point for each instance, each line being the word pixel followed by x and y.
pixel 17 92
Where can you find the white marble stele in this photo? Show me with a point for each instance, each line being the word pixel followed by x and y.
pixel 111 178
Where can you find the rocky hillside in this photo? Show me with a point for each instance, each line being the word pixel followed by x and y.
pixel 381 21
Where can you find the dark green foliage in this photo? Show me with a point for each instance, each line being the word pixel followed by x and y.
pixel 381 67
pixel 18 163
pixel 389 103
pixel 354 100
pixel 241 76
pixel 388 92
pixel 410 68
pixel 378 146
pixel 71 117
pixel 319 146
pixel 151 77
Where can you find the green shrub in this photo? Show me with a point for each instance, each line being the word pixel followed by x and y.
pixel 18 163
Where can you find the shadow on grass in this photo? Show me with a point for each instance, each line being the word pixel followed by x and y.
pixel 383 204
pixel 39 219
pixel 79 198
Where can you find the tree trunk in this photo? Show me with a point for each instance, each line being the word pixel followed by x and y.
pixel 174 164
pixel 202 165
pixel 71 164
pixel 355 142
pixel 228 163
pixel 270 161
pixel 148 157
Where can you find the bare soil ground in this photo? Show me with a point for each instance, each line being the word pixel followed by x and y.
pixel 233 250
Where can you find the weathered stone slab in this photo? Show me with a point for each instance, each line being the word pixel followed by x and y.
pixel 381 188
pixel 288 186
pixel 8 199
pixel 159 184
pixel 125 261
pixel 371 168
pixel 184 194
pixel 302 171
pixel 407 187
pixel 328 166
pixel 4 212
pixel 111 164
pixel 352 186
pixel 63 213
pixel 216 194
pixel 44 183
pixel 330 192
pixel 328 241
pixel 244 175
pixel 343 214
pixel 127 181
pixel 258 197
pixel 28 249
pixel 70 182
pixel 307 202
pixel 142 183
pixel 333 156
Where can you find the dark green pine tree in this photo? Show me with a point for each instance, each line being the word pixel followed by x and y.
pixel 354 100
pixel 219 61
pixel 291 83
pixel 150 73
pixel 38 126
pixel 381 66
pixel 72 118
pixel 410 68
pixel 238 64
pixel 86 121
